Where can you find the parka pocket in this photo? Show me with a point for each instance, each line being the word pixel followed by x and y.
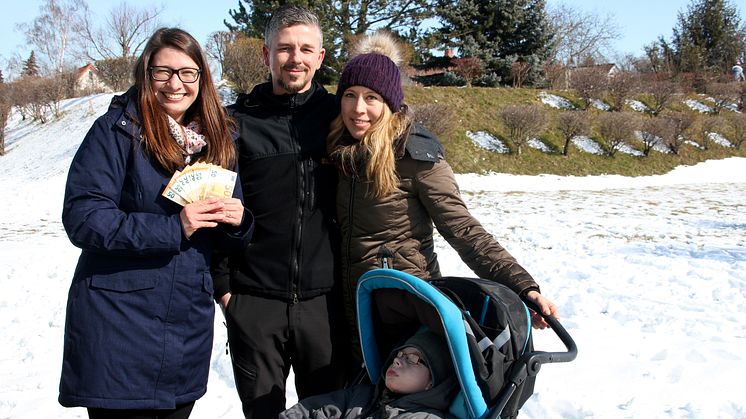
pixel 121 282
pixel 207 284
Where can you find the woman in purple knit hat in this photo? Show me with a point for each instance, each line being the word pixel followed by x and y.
pixel 395 185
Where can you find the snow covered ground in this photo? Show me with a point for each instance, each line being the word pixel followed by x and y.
pixel 649 274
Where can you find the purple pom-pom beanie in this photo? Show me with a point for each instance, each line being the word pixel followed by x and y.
pixel 374 71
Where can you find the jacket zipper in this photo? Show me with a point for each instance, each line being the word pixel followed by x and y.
pixel 301 179
pixel 348 239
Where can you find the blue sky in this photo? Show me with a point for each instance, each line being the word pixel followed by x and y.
pixel 640 21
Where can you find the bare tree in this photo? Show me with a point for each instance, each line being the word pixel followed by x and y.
pixel 244 65
pixel 661 91
pixel 519 71
pixel 216 45
pixel 469 68
pixel 588 82
pixel 555 75
pixel 579 35
pixel 723 95
pixel 116 72
pixel 52 32
pixel 737 122
pixel 436 117
pixel 616 130
pixel 660 57
pixel 655 132
pixel 621 86
pixel 121 34
pixel 705 127
pixel 681 123
pixel 4 113
pixel 32 95
pixel 571 124
pixel 523 123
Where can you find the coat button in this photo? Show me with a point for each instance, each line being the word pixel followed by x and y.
pixel 124 123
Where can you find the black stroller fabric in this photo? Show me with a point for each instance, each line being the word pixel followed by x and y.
pixel 495 314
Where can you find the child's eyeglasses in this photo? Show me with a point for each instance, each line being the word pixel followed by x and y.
pixel 411 359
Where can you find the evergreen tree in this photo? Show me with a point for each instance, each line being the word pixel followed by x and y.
pixel 2 79
pixel 708 37
pixel 499 32
pixel 30 68
pixel 341 22
pixel 251 18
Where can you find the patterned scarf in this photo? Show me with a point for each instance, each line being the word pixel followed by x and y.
pixel 188 137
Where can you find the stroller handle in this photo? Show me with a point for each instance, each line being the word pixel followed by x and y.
pixel 539 357
pixel 530 363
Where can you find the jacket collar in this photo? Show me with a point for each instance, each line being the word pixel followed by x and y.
pixel 262 95
pixel 124 109
pixel 423 145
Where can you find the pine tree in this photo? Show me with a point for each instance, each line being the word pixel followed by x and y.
pixel 708 37
pixel 2 79
pixel 243 23
pixel 30 68
pixel 497 31
pixel 341 22
pixel 252 16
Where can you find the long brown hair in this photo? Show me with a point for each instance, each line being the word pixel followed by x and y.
pixel 374 155
pixel 207 108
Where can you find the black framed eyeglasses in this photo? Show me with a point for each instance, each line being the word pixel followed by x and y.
pixel 411 359
pixel 185 74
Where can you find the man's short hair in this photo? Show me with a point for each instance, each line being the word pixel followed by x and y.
pixel 291 15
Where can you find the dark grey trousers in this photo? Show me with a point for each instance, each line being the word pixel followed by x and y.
pixel 267 336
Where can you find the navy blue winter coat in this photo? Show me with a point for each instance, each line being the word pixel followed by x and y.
pixel 140 312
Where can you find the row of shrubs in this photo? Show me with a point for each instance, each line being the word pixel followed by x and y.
pixel 612 130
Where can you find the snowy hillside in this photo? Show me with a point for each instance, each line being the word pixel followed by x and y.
pixel 649 274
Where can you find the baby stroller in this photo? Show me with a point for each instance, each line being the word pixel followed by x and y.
pixel 486 326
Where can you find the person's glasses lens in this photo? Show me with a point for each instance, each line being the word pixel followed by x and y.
pixel 186 75
pixel 411 359
pixel 161 73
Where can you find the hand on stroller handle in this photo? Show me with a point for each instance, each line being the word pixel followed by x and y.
pixel 538 358
pixel 540 307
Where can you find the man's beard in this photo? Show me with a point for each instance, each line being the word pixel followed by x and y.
pixel 293 86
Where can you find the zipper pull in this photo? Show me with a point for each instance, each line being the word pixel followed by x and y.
pixel 384 253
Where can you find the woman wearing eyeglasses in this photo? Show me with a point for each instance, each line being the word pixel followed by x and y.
pixel 140 312
pixel 419 383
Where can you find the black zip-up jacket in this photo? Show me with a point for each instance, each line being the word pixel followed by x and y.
pixel 281 150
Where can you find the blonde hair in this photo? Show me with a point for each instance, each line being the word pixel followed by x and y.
pixel 375 151
pixel 373 157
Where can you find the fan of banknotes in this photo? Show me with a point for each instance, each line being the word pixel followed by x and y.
pixel 199 181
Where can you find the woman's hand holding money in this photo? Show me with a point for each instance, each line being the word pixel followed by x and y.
pixel 200 214
pixel 233 212
pixel 209 212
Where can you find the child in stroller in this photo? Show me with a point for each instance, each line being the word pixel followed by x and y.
pixel 419 383
pixel 482 329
